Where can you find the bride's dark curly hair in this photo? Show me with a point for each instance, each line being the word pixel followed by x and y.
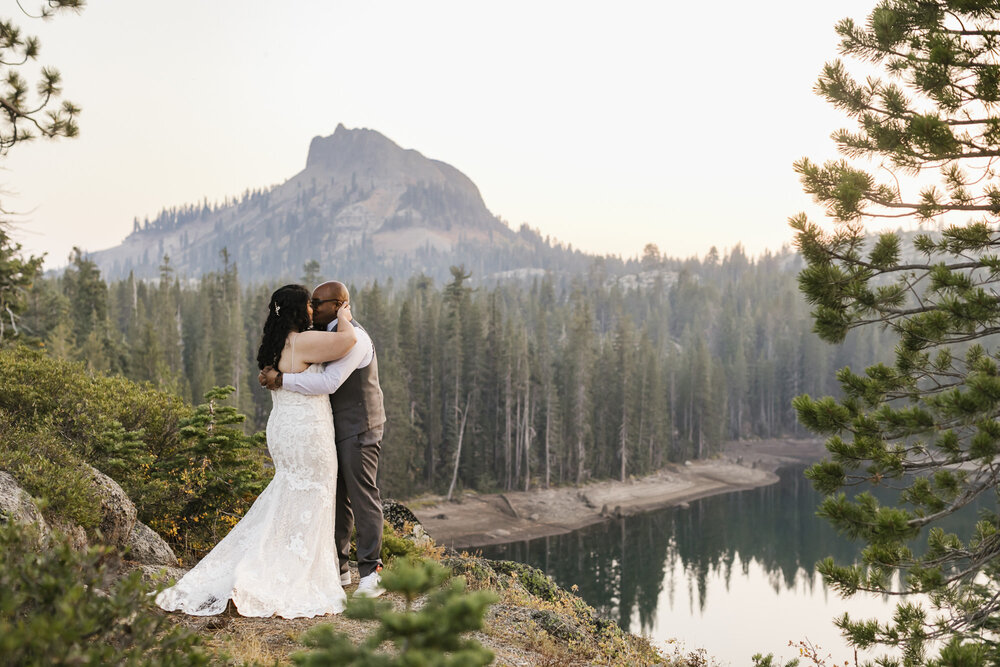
pixel 286 312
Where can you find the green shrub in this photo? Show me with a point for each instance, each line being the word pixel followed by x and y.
pixel 87 404
pixel 119 427
pixel 191 473
pixel 62 607
pixel 395 545
pixel 214 476
pixel 44 467
pixel 534 580
pixel 427 637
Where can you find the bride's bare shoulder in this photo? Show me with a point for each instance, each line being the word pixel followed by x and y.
pixel 290 361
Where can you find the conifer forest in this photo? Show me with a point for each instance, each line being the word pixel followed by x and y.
pixel 517 385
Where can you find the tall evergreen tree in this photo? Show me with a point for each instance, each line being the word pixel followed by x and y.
pixel 556 369
pixel 925 422
pixel 22 118
pixel 17 273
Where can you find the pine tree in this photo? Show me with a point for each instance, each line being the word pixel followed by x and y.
pixel 17 273
pixel 87 294
pixel 576 378
pixel 430 636
pixel 924 423
pixel 311 276
pixel 220 467
pixel 22 118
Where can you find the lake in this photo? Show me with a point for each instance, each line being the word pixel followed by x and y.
pixel 733 574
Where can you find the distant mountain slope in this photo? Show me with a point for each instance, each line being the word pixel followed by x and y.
pixel 363 207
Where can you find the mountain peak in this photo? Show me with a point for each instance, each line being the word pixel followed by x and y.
pixel 359 146
pixel 361 153
pixel 362 204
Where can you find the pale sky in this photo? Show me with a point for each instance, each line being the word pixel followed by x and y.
pixel 604 125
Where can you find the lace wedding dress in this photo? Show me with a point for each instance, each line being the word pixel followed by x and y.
pixel 281 558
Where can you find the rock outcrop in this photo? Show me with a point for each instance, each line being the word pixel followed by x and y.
pixel 118 514
pixel 398 515
pixel 147 547
pixel 119 527
pixel 16 505
pixel 404 521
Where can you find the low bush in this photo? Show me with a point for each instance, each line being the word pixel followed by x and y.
pixel 213 477
pixel 431 636
pixel 63 607
pixel 191 472
pixel 49 470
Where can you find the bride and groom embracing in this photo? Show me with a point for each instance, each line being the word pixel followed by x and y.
pixel 288 555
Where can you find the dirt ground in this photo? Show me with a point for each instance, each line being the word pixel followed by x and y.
pixel 473 519
pixel 266 641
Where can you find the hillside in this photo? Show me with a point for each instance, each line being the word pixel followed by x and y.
pixel 106 460
pixel 362 207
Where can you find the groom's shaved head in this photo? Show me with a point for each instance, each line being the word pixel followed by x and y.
pixel 327 298
pixel 332 289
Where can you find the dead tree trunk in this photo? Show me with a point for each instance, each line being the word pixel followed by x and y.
pixel 458 447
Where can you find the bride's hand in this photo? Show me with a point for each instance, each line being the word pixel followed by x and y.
pixel 344 313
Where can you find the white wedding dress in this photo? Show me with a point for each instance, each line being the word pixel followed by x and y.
pixel 281 558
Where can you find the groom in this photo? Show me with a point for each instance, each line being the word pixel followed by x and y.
pixel 358 418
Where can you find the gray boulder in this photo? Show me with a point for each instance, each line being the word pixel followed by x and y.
pixel 398 515
pixel 76 535
pixel 148 548
pixel 17 506
pixel 118 514
pixel 404 521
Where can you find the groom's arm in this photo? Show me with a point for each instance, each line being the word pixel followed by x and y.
pixel 333 374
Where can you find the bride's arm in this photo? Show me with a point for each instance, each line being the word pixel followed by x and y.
pixel 319 346
pixel 334 373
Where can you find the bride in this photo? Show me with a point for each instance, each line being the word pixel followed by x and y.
pixel 281 558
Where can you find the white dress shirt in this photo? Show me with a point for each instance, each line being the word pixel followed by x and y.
pixel 335 372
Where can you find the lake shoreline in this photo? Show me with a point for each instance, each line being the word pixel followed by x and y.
pixel 474 519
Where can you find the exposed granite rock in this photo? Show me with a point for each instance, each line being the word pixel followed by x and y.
pixel 404 521
pixel 398 514
pixel 148 548
pixel 17 506
pixel 74 533
pixel 118 514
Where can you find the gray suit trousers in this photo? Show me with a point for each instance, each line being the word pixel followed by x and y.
pixel 358 501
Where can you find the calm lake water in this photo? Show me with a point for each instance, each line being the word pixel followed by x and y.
pixel 733 574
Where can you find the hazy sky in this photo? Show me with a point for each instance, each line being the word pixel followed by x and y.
pixel 604 125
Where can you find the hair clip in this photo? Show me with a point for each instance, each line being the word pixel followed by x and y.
pixel 277 310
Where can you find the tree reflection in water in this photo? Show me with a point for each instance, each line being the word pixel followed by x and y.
pixel 622 566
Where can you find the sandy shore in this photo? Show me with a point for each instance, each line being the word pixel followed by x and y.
pixel 480 519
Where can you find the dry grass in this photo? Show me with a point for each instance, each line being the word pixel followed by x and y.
pixel 245 645
pixel 535 623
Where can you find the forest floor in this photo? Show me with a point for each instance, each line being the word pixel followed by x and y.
pixel 474 519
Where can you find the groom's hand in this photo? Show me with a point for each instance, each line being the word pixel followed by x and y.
pixel 269 378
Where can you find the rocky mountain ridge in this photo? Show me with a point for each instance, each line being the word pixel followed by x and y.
pixel 363 208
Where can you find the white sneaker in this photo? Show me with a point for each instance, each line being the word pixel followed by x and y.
pixel 345 578
pixel 369 586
